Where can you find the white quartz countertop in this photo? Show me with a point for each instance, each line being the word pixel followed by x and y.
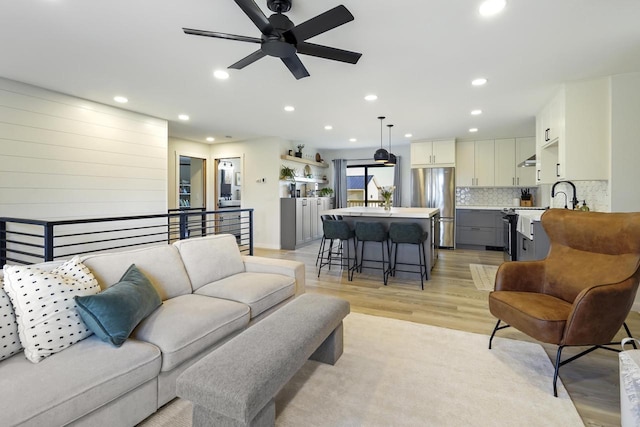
pixel 422 213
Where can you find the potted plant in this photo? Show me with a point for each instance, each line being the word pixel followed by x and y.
pixel 325 192
pixel 299 152
pixel 287 173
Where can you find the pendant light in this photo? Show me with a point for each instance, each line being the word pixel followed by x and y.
pixel 381 155
pixel 392 157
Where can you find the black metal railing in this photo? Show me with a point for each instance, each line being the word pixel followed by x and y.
pixel 27 241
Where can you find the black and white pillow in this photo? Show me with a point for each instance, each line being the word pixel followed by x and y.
pixel 9 339
pixel 45 310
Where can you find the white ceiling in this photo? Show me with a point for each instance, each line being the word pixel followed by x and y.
pixel 419 57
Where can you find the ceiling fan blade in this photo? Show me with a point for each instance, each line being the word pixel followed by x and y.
pixel 327 52
pixel 324 22
pixel 251 9
pixel 247 60
pixel 296 67
pixel 221 35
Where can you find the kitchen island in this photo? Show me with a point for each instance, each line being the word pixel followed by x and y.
pixel 428 218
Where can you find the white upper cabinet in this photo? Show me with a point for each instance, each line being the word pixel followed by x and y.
pixel 508 154
pixel 505 175
pixel 433 153
pixel 574 133
pixel 475 163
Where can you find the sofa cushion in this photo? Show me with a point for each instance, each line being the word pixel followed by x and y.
pixel 186 325
pixel 210 258
pixel 48 321
pixel 161 264
pixel 260 291
pixel 70 384
pixel 114 313
pixel 9 339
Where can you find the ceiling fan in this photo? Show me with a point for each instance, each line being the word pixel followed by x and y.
pixel 284 40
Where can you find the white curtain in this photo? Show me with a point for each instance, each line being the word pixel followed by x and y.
pixel 397 181
pixel 340 182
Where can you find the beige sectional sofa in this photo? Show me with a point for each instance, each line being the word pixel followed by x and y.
pixel 210 293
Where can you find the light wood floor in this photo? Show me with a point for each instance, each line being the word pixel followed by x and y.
pixel 451 300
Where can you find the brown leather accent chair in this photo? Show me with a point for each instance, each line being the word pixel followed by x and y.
pixel 582 292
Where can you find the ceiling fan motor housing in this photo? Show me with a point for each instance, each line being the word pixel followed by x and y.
pixel 275 44
pixel 279 6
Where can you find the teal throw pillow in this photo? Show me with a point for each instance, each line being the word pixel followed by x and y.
pixel 113 313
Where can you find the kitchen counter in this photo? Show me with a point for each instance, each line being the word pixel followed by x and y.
pixel 417 213
pixel 428 218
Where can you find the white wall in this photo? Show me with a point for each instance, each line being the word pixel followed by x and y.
pixel 63 157
pixel 260 160
pixel 625 143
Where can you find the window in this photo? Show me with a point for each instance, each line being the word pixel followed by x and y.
pixel 364 183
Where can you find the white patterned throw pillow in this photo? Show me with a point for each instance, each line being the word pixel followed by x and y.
pixel 48 321
pixel 9 339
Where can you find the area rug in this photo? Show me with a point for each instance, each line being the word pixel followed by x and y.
pixel 484 276
pixel 396 373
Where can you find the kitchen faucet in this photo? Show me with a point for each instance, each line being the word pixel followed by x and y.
pixel 565 198
pixel 574 200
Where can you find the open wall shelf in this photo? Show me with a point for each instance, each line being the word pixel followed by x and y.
pixel 304 161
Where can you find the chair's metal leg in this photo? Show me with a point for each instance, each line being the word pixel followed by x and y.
pixel 555 372
pixel 321 251
pixel 424 258
pixel 361 257
pixel 626 328
pixel 384 270
pixel 420 259
pixel 493 333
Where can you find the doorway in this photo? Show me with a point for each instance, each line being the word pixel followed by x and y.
pixel 228 192
pixel 192 181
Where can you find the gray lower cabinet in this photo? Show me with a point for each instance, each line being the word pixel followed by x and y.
pixel 479 228
pixel 300 220
pixel 536 249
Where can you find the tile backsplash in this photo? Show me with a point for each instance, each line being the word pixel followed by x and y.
pixel 490 196
pixel 596 193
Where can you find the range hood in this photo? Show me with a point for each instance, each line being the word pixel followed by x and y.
pixel 531 161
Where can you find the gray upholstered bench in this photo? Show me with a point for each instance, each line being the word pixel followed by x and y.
pixel 236 384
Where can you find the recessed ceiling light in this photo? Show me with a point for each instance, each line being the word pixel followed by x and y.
pixel 479 82
pixel 289 108
pixel 120 99
pixel 408 135
pixel 491 7
pixel 210 139
pixel 476 112
pixel 183 117
pixel 371 97
pixel 473 130
pixel 352 140
pixel 328 127
pixel 220 74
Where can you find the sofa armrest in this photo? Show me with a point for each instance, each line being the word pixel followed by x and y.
pixel 295 269
pixel 520 276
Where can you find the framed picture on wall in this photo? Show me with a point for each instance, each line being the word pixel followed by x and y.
pixel 226 177
pixel 238 179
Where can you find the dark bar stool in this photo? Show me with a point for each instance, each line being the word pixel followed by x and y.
pixel 374 232
pixel 321 249
pixel 409 233
pixel 338 230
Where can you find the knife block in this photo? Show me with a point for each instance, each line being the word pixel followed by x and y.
pixel 526 203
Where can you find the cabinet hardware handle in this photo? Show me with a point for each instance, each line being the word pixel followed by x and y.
pixel 538 178
pixel 557 169
pixel 524 244
pixel 513 181
pixel 430 159
pixel 518 180
pixel 434 158
pixel 546 134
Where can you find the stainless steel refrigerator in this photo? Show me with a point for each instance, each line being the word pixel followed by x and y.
pixel 436 188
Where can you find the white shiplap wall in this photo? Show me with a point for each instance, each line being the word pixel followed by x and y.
pixel 63 157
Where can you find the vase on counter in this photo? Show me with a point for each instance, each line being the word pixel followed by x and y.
pixel 387 203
